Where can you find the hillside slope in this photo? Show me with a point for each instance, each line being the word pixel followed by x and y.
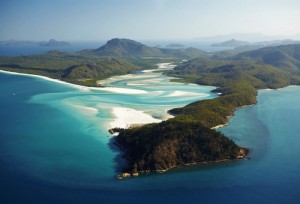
pixel 286 57
pixel 131 49
pixel 69 67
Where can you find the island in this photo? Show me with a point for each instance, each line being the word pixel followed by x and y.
pixel 50 43
pixel 54 43
pixel 191 137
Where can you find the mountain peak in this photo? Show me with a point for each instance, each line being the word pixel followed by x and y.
pixel 120 47
pixel 118 41
pixel 125 47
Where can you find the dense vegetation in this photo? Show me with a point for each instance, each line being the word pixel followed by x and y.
pixel 158 147
pixel 286 57
pixel 189 137
pixel 68 66
pixel 255 46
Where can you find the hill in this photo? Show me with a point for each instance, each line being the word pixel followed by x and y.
pixel 54 43
pixel 286 57
pixel 160 147
pixel 126 48
pixel 131 49
pixel 69 67
pixel 231 43
pixel 252 47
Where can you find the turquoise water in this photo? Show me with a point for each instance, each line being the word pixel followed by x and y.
pixel 55 150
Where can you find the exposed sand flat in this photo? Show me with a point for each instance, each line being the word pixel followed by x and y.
pixel 124 117
pixel 184 93
pixel 121 90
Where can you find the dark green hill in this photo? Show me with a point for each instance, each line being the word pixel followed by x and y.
pixel 75 68
pixel 286 57
pixel 159 147
pixel 132 49
pixel 127 48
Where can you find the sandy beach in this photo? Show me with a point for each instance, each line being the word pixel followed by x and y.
pixel 80 87
pixel 124 117
pixel 184 93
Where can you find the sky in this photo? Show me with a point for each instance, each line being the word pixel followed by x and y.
pixel 145 19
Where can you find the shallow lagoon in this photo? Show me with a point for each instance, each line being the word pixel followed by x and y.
pixel 54 151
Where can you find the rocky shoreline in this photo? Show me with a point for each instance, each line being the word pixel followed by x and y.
pixel 126 175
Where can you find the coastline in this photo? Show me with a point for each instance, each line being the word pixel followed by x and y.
pixel 126 175
pixel 230 116
pixel 80 87
pixel 119 121
pixel 125 117
pixel 48 79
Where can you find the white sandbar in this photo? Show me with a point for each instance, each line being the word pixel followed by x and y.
pixel 184 93
pixel 125 117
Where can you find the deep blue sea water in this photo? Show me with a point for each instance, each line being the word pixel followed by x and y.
pixel 48 155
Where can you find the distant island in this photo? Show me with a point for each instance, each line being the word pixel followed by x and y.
pixel 54 43
pixel 50 43
pixel 190 138
pixel 231 43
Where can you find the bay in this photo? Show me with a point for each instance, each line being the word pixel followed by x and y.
pixel 52 150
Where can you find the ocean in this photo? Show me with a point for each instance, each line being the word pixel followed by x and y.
pixel 55 148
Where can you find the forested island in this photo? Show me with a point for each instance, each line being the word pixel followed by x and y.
pixel 190 137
